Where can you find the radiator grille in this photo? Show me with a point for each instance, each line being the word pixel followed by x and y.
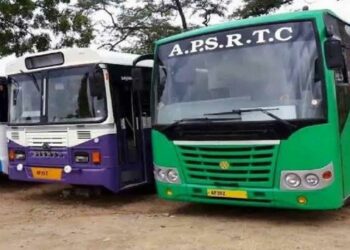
pixel 52 138
pixel 229 165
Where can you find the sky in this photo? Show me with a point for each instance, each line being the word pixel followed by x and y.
pixel 340 7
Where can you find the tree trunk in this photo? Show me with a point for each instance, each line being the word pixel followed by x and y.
pixel 182 15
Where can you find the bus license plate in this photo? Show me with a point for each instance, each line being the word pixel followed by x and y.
pixel 233 194
pixel 47 173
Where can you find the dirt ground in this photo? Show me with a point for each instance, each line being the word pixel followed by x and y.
pixel 38 216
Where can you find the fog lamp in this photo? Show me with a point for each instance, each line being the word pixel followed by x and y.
pixel 169 192
pixel 67 169
pixel 302 200
pixel 20 167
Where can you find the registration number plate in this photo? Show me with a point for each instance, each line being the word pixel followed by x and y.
pixel 233 194
pixel 54 174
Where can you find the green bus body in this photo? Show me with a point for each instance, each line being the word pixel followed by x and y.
pixel 250 172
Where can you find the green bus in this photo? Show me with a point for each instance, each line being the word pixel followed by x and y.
pixel 254 112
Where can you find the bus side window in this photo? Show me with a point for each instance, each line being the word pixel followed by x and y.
pixel 343 76
pixel 345 36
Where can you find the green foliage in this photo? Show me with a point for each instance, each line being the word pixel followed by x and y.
pixel 37 25
pixel 259 7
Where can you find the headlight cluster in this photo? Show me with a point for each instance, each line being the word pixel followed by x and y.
pixel 17 155
pixel 304 180
pixel 84 157
pixel 167 175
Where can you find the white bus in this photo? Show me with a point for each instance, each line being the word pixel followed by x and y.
pixel 75 118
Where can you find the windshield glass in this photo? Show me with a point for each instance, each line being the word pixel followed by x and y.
pixel 70 97
pixel 25 98
pixel 272 67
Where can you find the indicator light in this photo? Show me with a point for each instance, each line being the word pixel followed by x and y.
pixel 96 157
pixel 12 155
pixel 327 175
pixel 302 200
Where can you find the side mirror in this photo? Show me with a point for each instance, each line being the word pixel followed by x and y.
pixel 3 80
pixel 138 82
pixel 96 83
pixel 334 54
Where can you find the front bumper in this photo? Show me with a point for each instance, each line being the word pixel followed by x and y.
pixel 324 199
pixel 103 177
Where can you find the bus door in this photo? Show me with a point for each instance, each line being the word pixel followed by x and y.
pixel 3 122
pixel 130 134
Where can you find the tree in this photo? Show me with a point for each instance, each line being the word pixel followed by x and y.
pixel 187 8
pixel 38 25
pixel 129 28
pixel 135 28
pixel 208 8
pixel 258 7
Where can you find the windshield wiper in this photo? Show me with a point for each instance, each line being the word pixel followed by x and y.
pixel 205 120
pixel 265 111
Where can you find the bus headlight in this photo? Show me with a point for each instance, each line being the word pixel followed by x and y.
pixel 20 155
pixel 81 157
pixel 17 155
pixel 292 180
pixel 173 176
pixel 162 174
pixel 312 180
pixel 167 175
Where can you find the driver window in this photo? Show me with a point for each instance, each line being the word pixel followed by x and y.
pixel 342 76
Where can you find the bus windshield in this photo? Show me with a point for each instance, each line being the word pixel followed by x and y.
pixel 25 105
pixel 64 97
pixel 272 67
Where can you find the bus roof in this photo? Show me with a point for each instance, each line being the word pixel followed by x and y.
pixel 298 15
pixel 75 57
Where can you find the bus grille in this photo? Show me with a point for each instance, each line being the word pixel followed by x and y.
pixel 52 138
pixel 229 165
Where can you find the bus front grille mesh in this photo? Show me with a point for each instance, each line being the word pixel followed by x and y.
pixel 229 165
